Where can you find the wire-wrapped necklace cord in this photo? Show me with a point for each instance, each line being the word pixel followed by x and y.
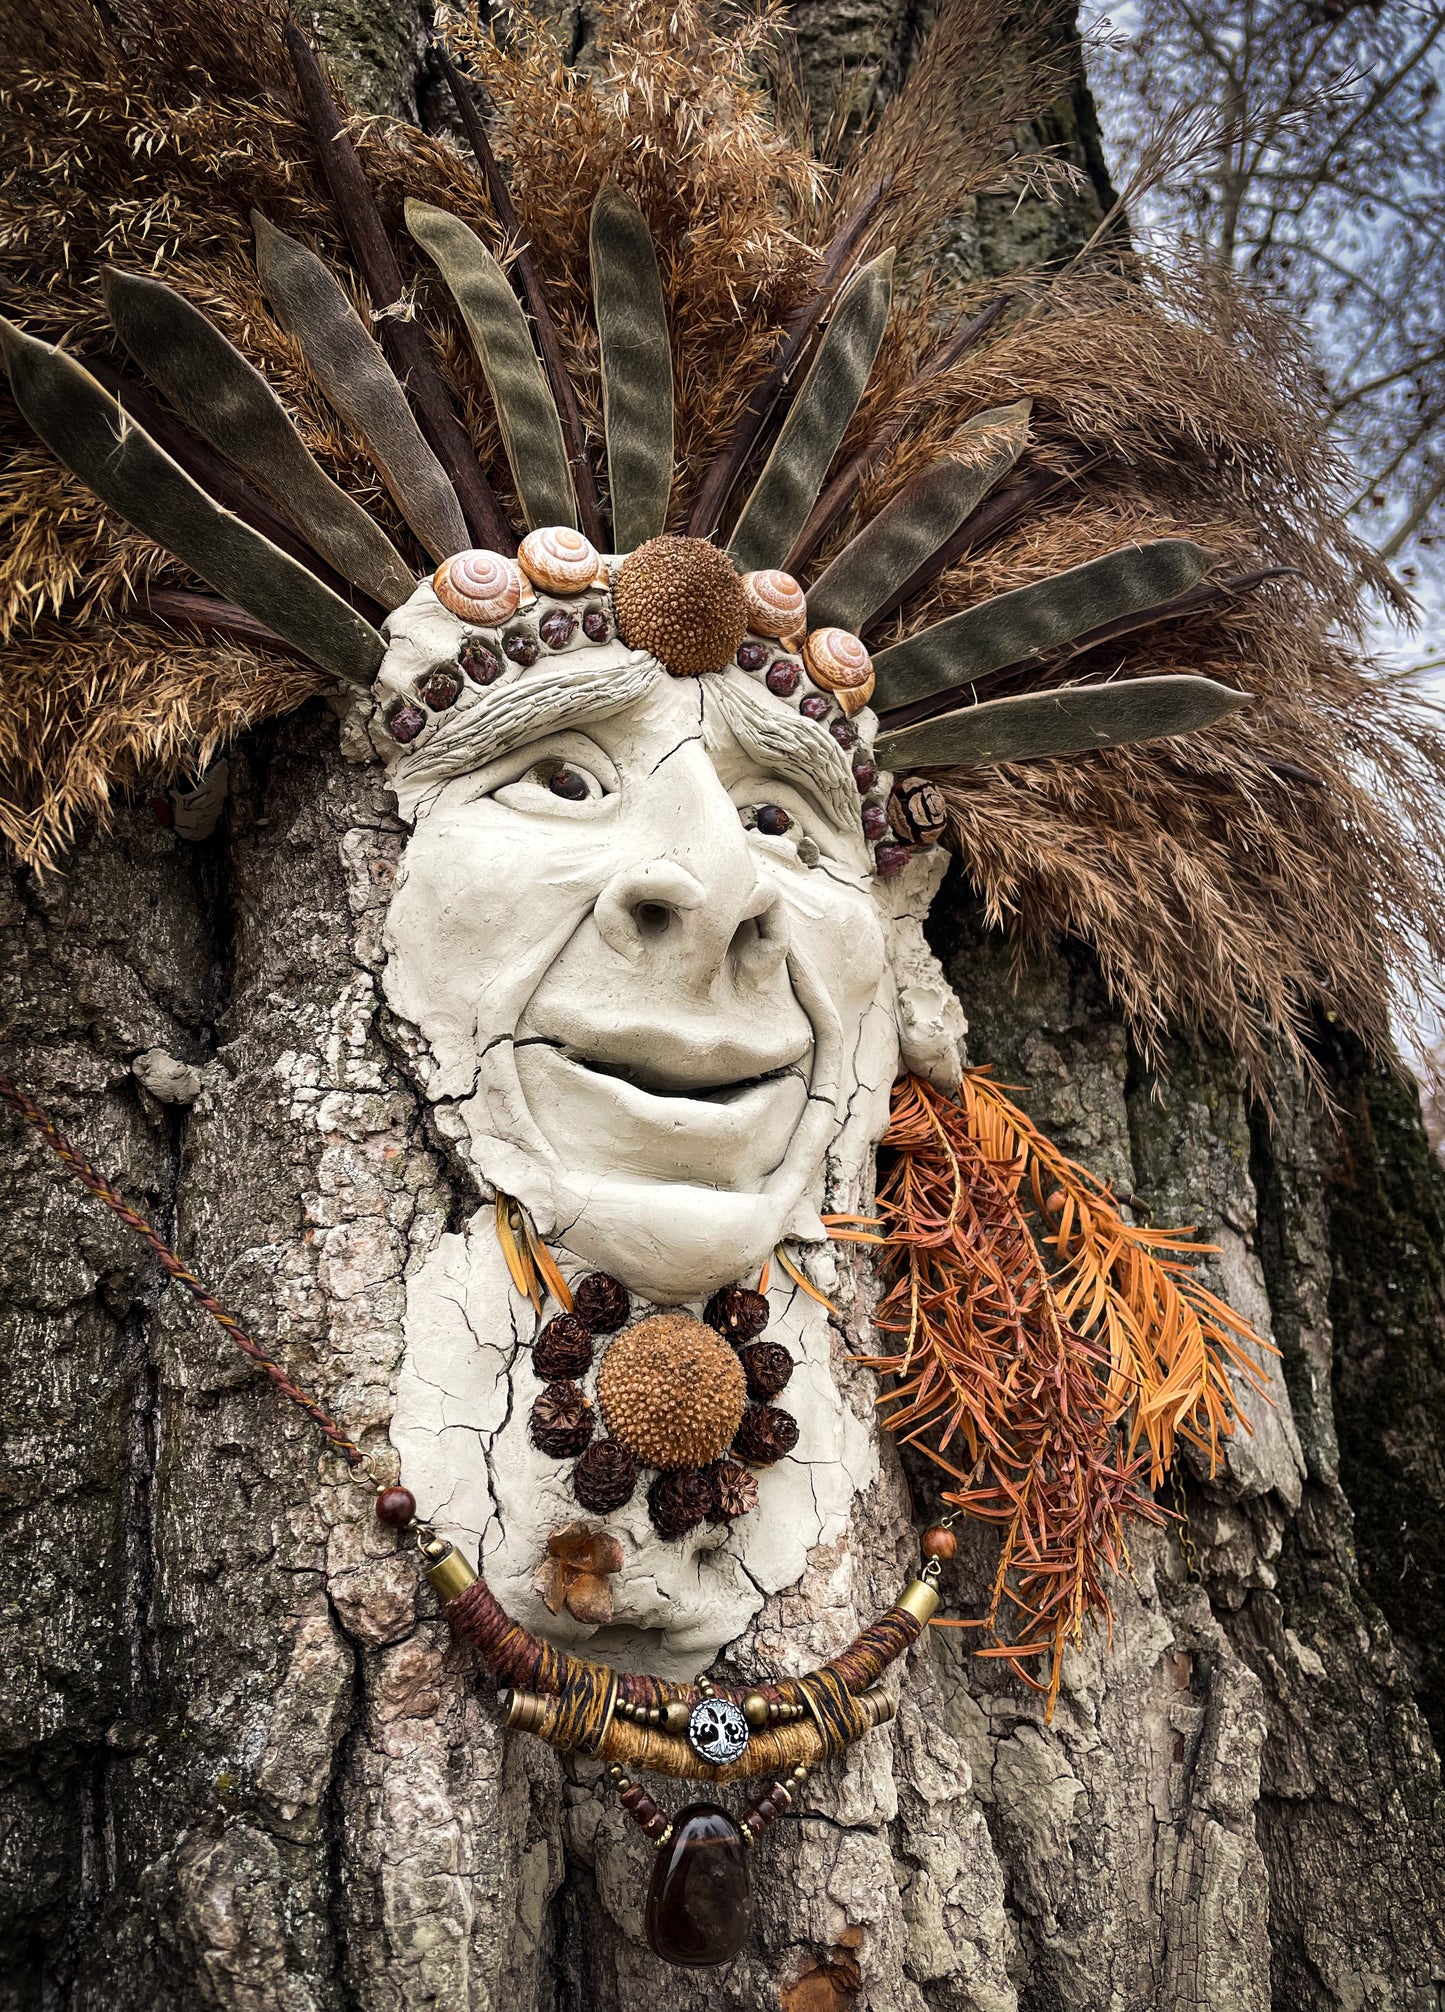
pixel 626 1718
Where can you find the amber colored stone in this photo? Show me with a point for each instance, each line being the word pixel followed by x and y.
pixel 396 1506
pixel 939 1543
pixel 700 1903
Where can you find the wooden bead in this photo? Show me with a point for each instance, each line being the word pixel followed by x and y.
pixel 939 1543
pixel 396 1507
pixel 561 561
pixel 479 586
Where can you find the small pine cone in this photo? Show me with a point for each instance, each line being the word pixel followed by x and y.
pixel 767 1366
pixel 562 1421
pixel 563 1349
pixel 678 1500
pixel 737 1312
pixel 605 1476
pixel 601 1301
pixel 765 1435
pixel 734 1492
pixel 917 811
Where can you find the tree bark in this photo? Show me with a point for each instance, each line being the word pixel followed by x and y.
pixel 243 1767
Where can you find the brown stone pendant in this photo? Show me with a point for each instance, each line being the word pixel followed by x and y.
pixel 700 1905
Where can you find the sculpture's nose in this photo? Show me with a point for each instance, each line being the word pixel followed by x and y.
pixel 691 900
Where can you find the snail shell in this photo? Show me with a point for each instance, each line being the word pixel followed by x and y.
pixel 838 662
pixel 776 604
pixel 481 587
pixel 561 561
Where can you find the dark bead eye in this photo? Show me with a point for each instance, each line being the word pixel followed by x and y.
pixel 566 782
pixel 773 819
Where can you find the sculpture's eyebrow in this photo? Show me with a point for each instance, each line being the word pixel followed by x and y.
pixel 526 710
pixel 788 746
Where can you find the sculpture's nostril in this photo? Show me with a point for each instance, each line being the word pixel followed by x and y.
pixel 652 918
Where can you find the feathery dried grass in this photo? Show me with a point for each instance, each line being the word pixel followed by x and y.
pixel 1239 882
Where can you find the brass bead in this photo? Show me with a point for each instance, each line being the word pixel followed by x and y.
pixel 756 1709
pixel 673 1718
pixel 920 1600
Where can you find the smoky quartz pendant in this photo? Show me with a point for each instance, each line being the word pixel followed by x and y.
pixel 700 1904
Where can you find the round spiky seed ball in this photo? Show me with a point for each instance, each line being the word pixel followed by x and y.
pixel 672 1390
pixel 681 599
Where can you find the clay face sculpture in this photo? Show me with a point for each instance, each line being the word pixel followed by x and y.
pixel 666 1026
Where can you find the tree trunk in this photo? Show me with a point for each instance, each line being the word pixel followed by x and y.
pixel 243 1767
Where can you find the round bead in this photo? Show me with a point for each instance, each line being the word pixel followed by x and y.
pixel 773 820
pixel 559 560
pixel 936 1542
pixel 481 665
pixel 565 784
pixel 776 604
pixel 755 1709
pixel 396 1507
pixel 782 678
pixel 479 586
pixel 406 723
pixel 838 662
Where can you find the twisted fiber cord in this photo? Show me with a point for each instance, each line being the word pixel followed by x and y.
pixel 40 1121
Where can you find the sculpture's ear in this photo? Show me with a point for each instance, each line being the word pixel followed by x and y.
pixel 931 1023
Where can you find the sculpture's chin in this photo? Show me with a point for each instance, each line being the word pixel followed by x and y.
pixel 674 1241
pixel 599 1123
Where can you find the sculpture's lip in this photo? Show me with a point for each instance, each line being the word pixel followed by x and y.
pixel 647 1079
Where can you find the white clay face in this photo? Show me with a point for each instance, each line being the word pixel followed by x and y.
pixel 648 1009
pixel 670 1032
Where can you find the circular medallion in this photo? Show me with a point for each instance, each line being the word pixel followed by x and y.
pixel 717 1730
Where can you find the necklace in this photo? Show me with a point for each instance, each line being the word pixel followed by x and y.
pixel 699 1902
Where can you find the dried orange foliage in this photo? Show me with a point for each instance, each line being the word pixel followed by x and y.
pixel 1051 1356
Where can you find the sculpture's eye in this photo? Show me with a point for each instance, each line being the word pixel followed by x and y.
pixel 567 773
pixel 570 780
pixel 772 819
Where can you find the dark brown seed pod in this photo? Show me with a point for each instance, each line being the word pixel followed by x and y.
pixel 765 1435
pixel 815 706
pixel 605 1477
pixel 767 1366
pixel 563 1349
pixel 440 690
pixel 782 679
pixel 601 1301
pixel 737 1312
pixel 751 656
pixel 562 1421
pixel 481 665
pixel 557 628
pixel 917 811
pixel 681 599
pixel 734 1492
pixel 595 626
pixel 406 723
pixel 678 1500
pixel 522 648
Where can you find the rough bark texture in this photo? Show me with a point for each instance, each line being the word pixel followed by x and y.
pixel 242 1768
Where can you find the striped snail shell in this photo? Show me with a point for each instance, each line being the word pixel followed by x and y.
pixel 560 560
pixel 479 586
pixel 776 605
pixel 837 661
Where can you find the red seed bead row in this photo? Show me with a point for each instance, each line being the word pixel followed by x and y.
pixel 771 1804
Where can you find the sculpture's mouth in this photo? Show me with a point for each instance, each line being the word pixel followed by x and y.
pixel 668 1112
